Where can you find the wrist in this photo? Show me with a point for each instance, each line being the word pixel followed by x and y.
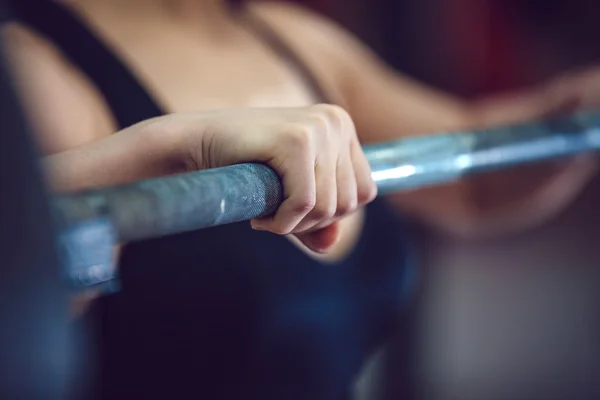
pixel 168 144
pixel 192 141
pixel 150 149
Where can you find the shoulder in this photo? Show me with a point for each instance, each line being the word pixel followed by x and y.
pixel 31 55
pixel 23 44
pixel 334 53
pixel 62 103
pixel 320 29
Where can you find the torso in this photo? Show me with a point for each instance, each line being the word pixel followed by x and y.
pixel 232 307
pixel 183 70
pixel 190 70
pixel 172 64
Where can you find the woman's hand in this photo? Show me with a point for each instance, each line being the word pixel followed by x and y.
pixel 316 152
pixel 314 149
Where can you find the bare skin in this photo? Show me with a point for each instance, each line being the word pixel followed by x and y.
pixel 167 44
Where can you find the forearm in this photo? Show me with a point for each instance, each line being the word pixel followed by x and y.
pixel 396 107
pixel 496 203
pixel 413 110
pixel 136 153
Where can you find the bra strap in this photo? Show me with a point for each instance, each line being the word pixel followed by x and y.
pixel 129 102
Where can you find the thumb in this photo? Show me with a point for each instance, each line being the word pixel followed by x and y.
pixel 321 240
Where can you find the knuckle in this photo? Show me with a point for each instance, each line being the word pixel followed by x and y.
pixel 319 123
pixel 297 131
pixel 324 211
pixel 367 193
pixel 332 111
pixel 346 206
pixel 282 229
pixel 339 118
pixel 303 205
pixel 300 137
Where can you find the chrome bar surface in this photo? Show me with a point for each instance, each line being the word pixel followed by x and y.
pixel 429 160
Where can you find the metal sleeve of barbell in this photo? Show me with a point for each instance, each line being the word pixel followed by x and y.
pixel 236 193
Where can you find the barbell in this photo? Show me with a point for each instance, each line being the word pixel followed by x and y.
pixel 92 222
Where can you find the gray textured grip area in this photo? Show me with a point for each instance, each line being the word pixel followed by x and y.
pixel 179 203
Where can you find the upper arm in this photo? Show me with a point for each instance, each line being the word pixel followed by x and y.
pixel 384 104
pixel 63 107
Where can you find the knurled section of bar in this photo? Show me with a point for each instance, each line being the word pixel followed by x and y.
pixel 195 200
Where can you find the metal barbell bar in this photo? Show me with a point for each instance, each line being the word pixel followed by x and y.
pixel 93 221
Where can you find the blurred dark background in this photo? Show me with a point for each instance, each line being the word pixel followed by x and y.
pixel 474 47
pixel 510 319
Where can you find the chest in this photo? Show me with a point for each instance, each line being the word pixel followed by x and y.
pixel 184 72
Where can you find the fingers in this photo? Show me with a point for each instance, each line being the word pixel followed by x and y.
pixel 331 139
pixel 326 200
pixel 366 187
pixel 297 172
pixel 321 240
pixel 325 177
pixel 347 195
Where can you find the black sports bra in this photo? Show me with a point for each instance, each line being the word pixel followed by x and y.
pixel 229 313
